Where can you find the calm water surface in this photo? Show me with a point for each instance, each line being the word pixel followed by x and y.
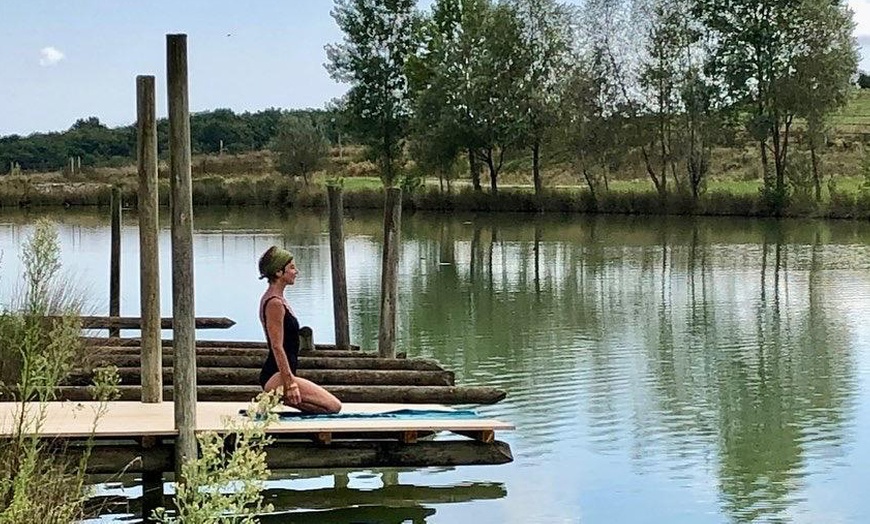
pixel 658 370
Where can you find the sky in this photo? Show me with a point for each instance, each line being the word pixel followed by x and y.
pixel 64 60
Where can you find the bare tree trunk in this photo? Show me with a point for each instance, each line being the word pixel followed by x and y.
pixel 475 170
pixel 817 180
pixel 536 167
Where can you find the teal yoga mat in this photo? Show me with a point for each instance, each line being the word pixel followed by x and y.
pixel 399 414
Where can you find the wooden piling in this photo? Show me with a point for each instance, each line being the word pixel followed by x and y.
pixel 306 339
pixel 339 277
pixel 115 260
pixel 149 260
pixel 389 272
pixel 184 336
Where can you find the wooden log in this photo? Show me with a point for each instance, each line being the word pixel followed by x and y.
pixel 256 361
pixel 149 259
pixel 300 455
pixel 98 351
pixel 388 394
pixel 96 322
pixel 183 335
pixel 115 259
pixel 324 377
pixel 243 344
pixel 339 278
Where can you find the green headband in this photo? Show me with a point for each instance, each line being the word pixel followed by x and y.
pixel 279 259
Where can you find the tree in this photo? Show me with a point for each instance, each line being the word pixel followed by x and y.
pixel 301 147
pixel 681 108
pixel 762 50
pixel 821 82
pixel 379 37
pixel 547 36
pixel 863 80
pixel 447 76
pixel 591 124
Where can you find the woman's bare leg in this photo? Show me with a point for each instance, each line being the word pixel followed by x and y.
pixel 315 399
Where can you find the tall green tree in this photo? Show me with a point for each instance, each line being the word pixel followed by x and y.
pixel 821 82
pixel 301 147
pixel 378 39
pixel 547 37
pixel 764 48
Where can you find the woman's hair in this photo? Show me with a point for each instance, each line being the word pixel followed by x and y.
pixel 272 261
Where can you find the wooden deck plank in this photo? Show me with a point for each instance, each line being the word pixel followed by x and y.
pixel 134 419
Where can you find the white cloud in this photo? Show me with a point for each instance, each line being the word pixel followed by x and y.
pixel 48 56
pixel 861 8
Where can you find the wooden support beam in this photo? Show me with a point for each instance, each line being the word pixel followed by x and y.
pixel 390 272
pixel 482 436
pixel 232 344
pixel 130 360
pixel 149 258
pixel 115 260
pixel 390 394
pixel 325 377
pixel 233 351
pixel 113 322
pixel 183 335
pixel 339 278
pixel 306 339
pixel 111 458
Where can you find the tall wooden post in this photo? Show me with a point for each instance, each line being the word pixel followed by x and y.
pixel 183 334
pixel 149 260
pixel 339 277
pixel 115 261
pixel 390 272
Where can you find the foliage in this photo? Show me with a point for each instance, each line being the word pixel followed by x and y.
pixel 301 147
pixel 547 36
pixel 379 38
pixel 777 60
pixel 863 80
pixel 225 485
pixel 98 145
pixel 38 483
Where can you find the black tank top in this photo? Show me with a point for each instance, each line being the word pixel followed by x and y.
pixel 291 344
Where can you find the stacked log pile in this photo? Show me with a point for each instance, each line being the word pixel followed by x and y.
pixel 229 371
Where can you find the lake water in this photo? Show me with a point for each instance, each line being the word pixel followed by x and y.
pixel 658 370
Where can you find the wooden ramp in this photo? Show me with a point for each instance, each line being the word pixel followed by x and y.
pixel 138 437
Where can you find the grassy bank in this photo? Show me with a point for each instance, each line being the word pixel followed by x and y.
pixel 733 188
pixel 723 197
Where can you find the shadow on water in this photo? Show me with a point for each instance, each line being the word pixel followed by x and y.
pixel 345 496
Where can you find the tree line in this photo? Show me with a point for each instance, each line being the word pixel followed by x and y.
pixel 218 131
pixel 467 83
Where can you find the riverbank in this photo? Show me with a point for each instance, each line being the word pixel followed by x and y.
pixel 849 200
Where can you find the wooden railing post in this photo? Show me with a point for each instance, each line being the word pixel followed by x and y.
pixel 339 278
pixel 183 334
pixel 389 272
pixel 149 260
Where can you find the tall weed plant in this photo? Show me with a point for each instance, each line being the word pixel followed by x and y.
pixel 39 344
pixel 225 483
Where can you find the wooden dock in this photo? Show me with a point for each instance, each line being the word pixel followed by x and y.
pixel 229 371
pixel 134 436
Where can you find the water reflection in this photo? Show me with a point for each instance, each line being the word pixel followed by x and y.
pixel 321 497
pixel 718 363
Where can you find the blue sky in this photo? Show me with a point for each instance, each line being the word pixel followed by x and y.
pixel 64 60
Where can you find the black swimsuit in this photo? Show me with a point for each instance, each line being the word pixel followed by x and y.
pixel 291 344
